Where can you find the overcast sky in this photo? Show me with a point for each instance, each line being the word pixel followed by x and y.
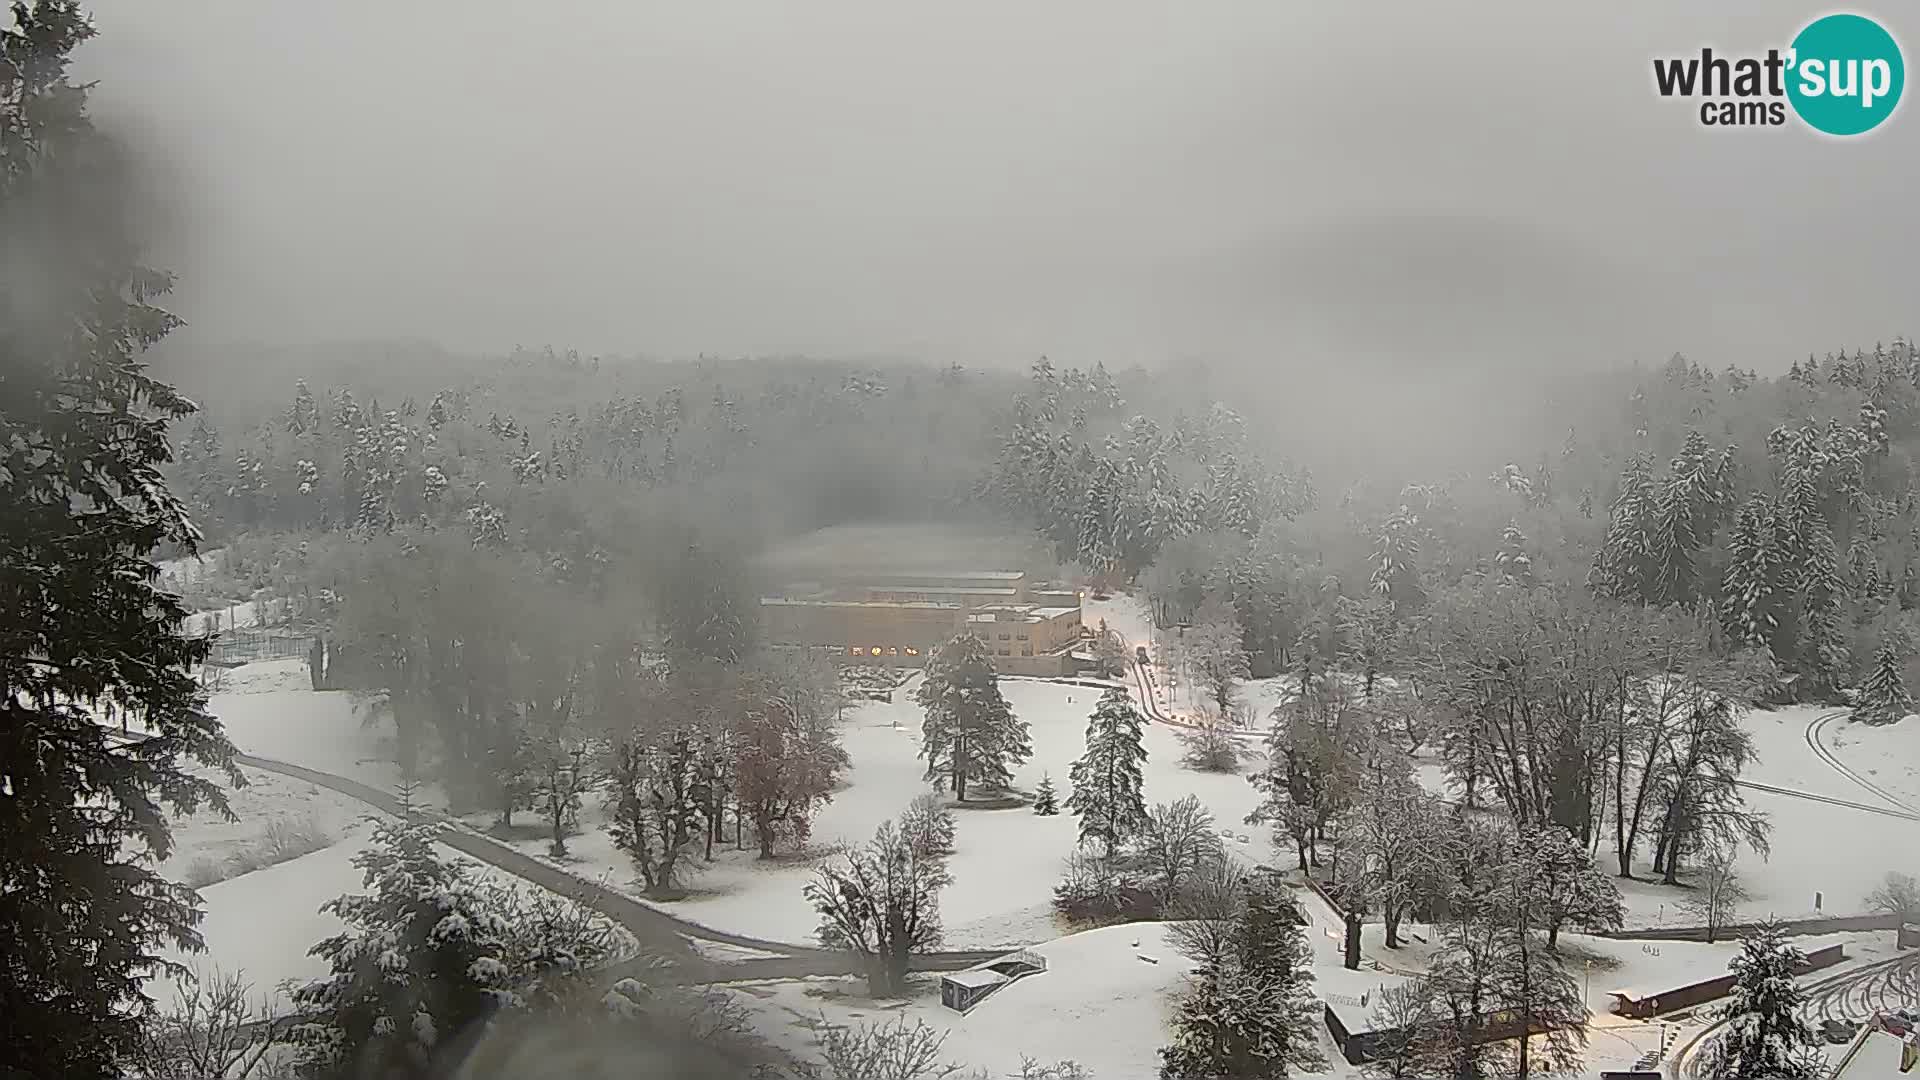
pixel 987 181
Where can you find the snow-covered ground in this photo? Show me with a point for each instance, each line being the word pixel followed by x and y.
pixel 1099 1003
pixel 263 923
pixel 1006 861
pixel 1888 756
pixel 206 838
pixel 1104 1001
pixel 270 709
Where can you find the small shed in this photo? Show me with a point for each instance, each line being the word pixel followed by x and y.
pixel 962 990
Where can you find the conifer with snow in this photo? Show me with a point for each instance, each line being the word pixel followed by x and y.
pixel 970 734
pixel 1045 802
pixel 1251 1013
pixel 1107 780
pixel 1766 1038
pixel 1884 698
pixel 85 918
pixel 422 960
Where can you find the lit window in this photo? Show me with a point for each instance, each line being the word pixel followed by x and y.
pixel 913 652
pixel 875 650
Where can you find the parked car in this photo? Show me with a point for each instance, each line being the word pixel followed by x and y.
pixel 1837 1031
pixel 1140 653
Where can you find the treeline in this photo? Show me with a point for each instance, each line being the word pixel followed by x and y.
pixel 1781 510
pixel 529 448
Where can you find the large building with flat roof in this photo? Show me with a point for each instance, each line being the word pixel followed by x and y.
pixel 895 618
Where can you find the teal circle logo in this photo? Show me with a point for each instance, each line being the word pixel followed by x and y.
pixel 1846 74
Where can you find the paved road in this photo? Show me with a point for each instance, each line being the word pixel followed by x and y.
pixel 658 933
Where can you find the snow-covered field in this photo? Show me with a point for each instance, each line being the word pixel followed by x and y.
pixel 1100 1002
pixel 1887 756
pixel 1009 859
pixel 1103 1001
pixel 1006 861
pixel 207 839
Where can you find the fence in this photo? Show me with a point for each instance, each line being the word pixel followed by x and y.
pixel 1794 928
pixel 232 648
pixel 1695 993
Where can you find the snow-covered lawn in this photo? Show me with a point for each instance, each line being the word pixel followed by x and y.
pixel 208 840
pixel 1006 861
pixel 1888 756
pixel 264 922
pixel 270 710
pixel 1104 1001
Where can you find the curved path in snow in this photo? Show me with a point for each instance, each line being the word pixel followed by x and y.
pixel 1826 755
pixel 660 934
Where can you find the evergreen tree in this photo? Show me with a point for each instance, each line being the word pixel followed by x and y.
pixel 970 733
pixel 82 504
pixel 1766 1039
pixel 422 961
pixel 1045 802
pixel 1625 567
pixel 1884 698
pixel 1107 780
pixel 1251 1014
pixel 1751 589
pixel 1512 562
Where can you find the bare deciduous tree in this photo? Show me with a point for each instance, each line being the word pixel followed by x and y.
pixel 891 1050
pixel 1897 894
pixel 1204 916
pixel 1177 843
pixel 1717 891
pixel 883 902
pixel 215 1030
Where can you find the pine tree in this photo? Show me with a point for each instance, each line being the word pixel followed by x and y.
pixel 1766 1039
pixel 83 915
pixel 1045 802
pixel 970 733
pixel 422 960
pixel 1107 780
pixel 1624 569
pixel 1512 562
pixel 1251 1014
pixel 1752 586
pixel 1884 698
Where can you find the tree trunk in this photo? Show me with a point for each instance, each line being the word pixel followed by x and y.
pixel 1393 914
pixel 1352 960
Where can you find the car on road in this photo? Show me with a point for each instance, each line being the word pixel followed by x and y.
pixel 1140 653
pixel 1838 1031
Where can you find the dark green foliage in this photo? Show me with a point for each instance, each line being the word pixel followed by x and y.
pixel 86 635
pixel 1251 1014
pixel 971 734
pixel 1766 1038
pixel 1046 802
pixel 1107 779
pixel 1884 698
pixel 423 961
